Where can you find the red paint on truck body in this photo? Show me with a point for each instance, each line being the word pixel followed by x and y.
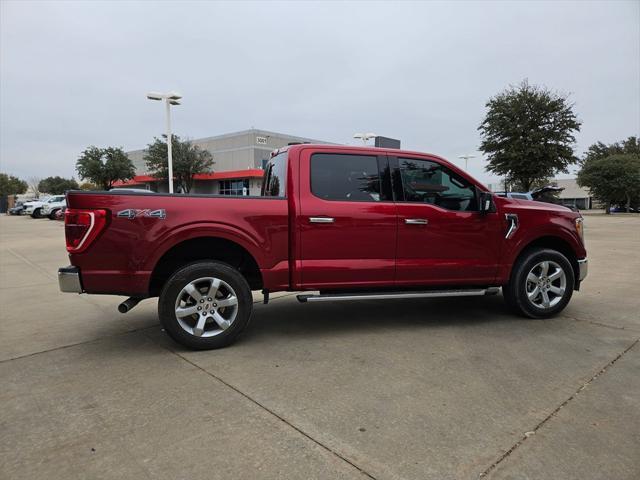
pixel 369 244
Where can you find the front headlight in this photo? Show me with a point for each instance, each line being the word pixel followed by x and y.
pixel 580 228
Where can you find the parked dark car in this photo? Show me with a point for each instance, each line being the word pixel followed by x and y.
pixel 544 194
pixel 619 209
pixel 17 209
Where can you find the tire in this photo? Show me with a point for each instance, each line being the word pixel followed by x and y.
pixel 36 213
pixel 525 294
pixel 210 325
pixel 52 215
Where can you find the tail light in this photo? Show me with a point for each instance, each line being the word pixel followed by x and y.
pixel 82 227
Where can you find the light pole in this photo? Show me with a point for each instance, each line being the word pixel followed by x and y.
pixel 364 136
pixel 466 160
pixel 171 98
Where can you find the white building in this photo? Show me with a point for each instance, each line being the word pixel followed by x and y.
pixel 572 195
pixel 239 159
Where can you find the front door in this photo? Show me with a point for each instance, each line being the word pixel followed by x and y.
pixel 347 220
pixel 442 237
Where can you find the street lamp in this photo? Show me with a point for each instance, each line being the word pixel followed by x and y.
pixel 171 98
pixel 466 159
pixel 364 136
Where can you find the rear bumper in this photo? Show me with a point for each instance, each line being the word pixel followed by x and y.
pixel 69 279
pixel 583 269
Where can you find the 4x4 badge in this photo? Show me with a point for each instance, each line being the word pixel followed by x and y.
pixel 132 213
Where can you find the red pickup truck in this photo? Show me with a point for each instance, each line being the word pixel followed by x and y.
pixel 348 223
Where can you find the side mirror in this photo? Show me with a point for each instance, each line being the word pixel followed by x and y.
pixel 486 202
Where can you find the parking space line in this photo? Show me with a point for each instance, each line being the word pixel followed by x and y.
pixel 30 263
pixel 599 324
pixel 84 342
pixel 603 370
pixel 279 417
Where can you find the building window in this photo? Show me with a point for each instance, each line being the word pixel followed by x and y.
pixel 234 187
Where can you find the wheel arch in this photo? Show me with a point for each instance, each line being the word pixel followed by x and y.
pixel 205 248
pixel 552 242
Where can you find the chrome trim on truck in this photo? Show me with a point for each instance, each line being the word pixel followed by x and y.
pixel 471 292
pixel 583 269
pixel 512 221
pixel 69 279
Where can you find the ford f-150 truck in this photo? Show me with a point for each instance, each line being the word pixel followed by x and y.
pixel 334 222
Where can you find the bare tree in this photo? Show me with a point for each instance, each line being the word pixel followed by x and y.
pixel 33 183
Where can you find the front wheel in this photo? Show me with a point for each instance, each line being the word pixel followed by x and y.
pixel 541 284
pixel 205 305
pixel 36 213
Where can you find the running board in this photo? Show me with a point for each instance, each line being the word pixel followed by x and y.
pixel 327 297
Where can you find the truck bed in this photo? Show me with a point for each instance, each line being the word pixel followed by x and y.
pixel 142 228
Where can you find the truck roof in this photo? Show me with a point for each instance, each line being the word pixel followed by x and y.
pixel 368 149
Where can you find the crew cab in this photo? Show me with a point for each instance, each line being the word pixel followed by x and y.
pixel 50 209
pixel 35 207
pixel 333 222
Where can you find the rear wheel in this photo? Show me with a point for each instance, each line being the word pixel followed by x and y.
pixel 52 215
pixel 36 213
pixel 541 284
pixel 205 305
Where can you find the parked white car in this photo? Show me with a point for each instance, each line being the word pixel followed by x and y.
pixel 50 208
pixel 34 207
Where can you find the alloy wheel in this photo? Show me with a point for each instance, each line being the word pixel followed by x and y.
pixel 206 307
pixel 546 284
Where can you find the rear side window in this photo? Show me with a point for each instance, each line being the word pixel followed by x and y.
pixel 347 178
pixel 425 181
pixel 275 177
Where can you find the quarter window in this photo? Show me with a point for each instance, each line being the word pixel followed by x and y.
pixel 340 177
pixel 275 176
pixel 425 181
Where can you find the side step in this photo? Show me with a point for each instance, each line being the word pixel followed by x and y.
pixel 335 297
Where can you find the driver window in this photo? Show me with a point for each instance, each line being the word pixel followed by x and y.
pixel 425 181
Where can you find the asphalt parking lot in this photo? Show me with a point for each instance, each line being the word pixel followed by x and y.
pixel 429 389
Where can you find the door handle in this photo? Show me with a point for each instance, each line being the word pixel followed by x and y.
pixel 321 220
pixel 416 221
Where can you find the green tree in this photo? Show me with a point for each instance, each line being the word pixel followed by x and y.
pixel 104 166
pixel 57 185
pixel 188 160
pixel 10 185
pixel 88 186
pixel 612 179
pixel 600 150
pixel 528 135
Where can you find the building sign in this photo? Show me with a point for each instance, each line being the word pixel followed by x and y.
pixel 261 140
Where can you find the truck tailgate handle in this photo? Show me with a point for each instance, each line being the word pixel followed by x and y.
pixel 416 221
pixel 321 219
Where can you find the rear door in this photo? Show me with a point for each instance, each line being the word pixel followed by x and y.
pixel 348 225
pixel 443 239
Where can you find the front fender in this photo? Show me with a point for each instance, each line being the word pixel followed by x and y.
pixel 531 230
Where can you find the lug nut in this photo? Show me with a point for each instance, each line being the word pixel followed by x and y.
pixel 211 312
pixel 202 300
pixel 199 308
pixel 209 298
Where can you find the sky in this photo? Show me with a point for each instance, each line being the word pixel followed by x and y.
pixel 74 74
